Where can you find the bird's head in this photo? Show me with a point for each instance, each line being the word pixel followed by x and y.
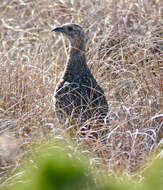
pixel 74 33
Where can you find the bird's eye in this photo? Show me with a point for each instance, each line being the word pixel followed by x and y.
pixel 70 28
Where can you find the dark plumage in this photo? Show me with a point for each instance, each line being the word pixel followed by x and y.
pixel 78 96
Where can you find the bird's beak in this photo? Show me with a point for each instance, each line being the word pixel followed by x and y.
pixel 58 29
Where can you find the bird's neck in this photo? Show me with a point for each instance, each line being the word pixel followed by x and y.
pixel 76 65
pixel 77 46
pixel 76 60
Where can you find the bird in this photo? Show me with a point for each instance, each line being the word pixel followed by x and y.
pixel 78 97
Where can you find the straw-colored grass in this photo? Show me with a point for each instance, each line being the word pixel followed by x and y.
pixel 125 54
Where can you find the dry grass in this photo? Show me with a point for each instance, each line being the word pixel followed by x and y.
pixel 125 54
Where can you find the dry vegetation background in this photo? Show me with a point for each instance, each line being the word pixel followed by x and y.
pixel 125 53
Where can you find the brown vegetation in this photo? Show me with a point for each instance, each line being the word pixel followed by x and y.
pixel 124 53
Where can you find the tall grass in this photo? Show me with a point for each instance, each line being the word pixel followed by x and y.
pixel 124 52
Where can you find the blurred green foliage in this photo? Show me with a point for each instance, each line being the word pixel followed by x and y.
pixel 54 168
pixel 153 178
pixel 57 168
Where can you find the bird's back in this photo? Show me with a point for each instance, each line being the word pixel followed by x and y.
pixel 79 95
